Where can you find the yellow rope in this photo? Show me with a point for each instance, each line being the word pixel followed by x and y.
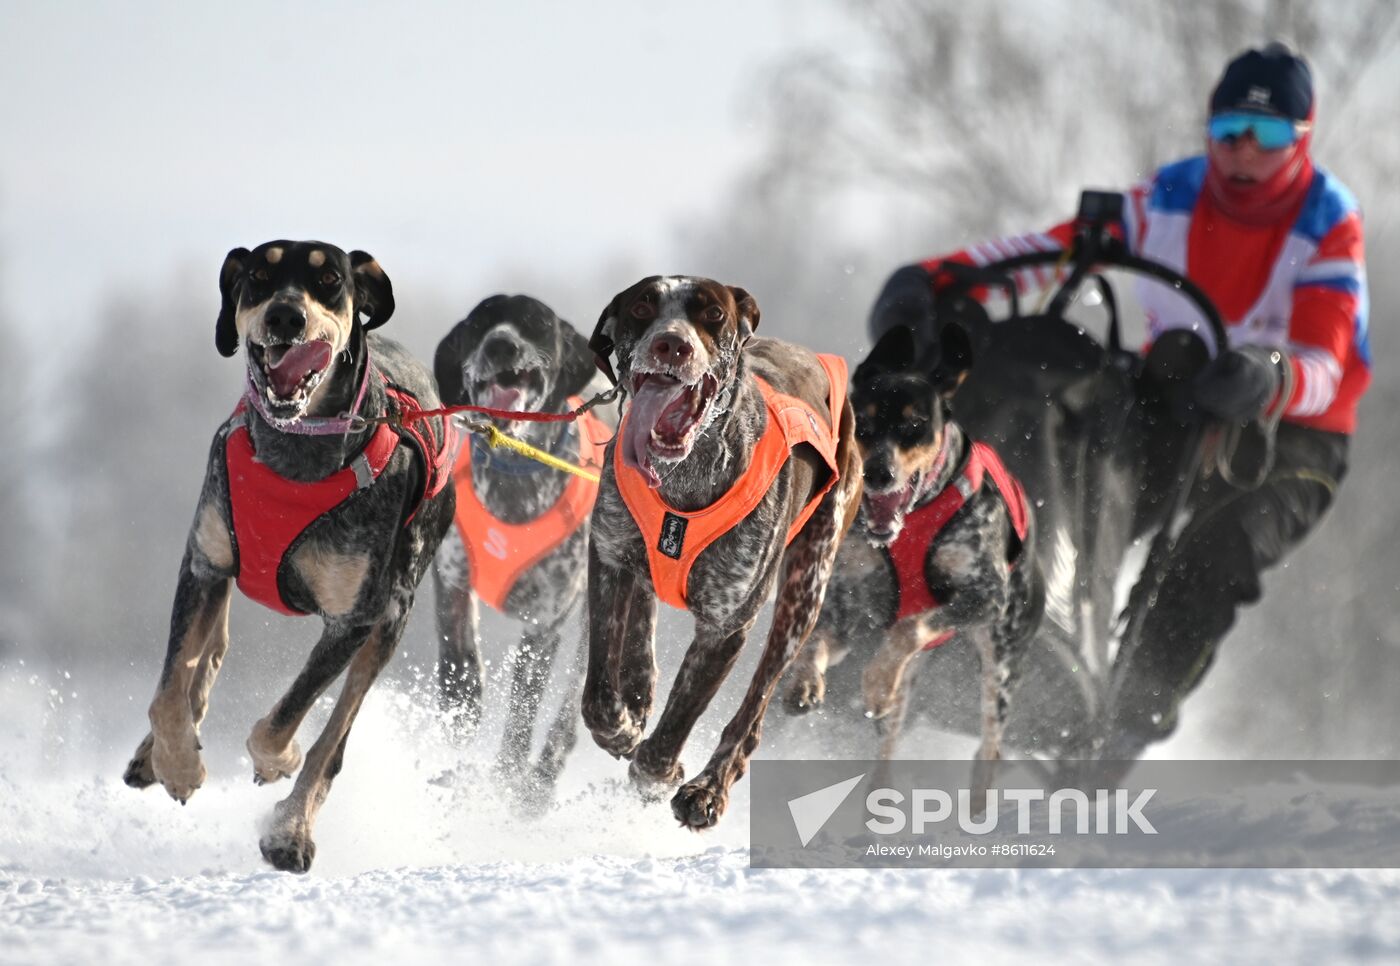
pixel 495 438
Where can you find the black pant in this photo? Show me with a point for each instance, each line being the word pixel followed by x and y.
pixel 1234 534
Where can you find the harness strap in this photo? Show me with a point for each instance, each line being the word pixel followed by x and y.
pixel 922 527
pixel 499 552
pixel 270 513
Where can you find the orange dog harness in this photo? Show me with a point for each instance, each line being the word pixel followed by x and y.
pixel 674 538
pixel 500 552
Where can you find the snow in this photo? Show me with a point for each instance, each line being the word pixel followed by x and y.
pixel 420 859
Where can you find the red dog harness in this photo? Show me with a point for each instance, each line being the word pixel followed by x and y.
pixel 674 539
pixel 270 512
pixel 500 552
pixel 922 527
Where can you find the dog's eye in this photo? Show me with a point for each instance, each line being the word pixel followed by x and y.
pixel 330 278
pixel 913 429
pixel 714 314
pixel 865 427
pixel 642 310
pixel 258 275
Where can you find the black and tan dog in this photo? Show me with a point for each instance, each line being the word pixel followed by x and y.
pixel 521 540
pixel 945 548
pixel 735 469
pixel 312 508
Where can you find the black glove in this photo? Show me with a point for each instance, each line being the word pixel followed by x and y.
pixel 1240 383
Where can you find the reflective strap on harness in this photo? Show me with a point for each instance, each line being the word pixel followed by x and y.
pixel 364 473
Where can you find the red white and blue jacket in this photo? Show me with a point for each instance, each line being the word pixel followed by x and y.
pixel 1298 286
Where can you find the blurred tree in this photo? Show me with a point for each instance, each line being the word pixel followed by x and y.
pixel 17 532
pixel 141 402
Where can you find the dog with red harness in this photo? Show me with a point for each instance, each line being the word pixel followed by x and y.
pixel 734 472
pixel 944 555
pixel 520 545
pixel 323 495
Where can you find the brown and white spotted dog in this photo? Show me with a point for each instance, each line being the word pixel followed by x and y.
pixel 521 540
pixel 355 562
pixel 944 554
pixel 700 504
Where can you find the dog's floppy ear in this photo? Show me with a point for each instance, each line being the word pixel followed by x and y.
pixel 225 330
pixel 893 352
pixel 601 344
pixel 447 364
pixel 954 357
pixel 748 311
pixel 374 296
pixel 576 362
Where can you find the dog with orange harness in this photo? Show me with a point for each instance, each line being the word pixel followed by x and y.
pixel 734 470
pixel 521 535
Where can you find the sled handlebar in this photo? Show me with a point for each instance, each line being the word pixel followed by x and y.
pixel 1093 248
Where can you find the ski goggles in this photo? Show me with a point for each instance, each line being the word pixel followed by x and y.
pixel 1270 131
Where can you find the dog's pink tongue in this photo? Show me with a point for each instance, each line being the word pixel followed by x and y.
pixel 501 397
pixel 296 363
pixel 649 404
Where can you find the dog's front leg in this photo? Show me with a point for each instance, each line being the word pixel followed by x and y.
pixel 272 744
pixel 620 683
pixel 562 734
pixel 656 765
pixel 996 678
pixel 459 654
pixel 806 689
pixel 884 674
pixel 198 625
pixel 806 571
pixel 288 844
pixel 530 666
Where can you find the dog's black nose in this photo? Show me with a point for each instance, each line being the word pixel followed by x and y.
pixel 878 476
pixel 500 353
pixel 285 321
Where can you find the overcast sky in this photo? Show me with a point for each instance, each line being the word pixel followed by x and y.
pixel 448 139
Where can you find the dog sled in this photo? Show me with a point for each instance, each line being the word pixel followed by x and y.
pixel 1066 404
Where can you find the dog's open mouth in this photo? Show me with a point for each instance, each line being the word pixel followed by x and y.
pixel 884 511
pixel 664 419
pixel 509 389
pixel 287 374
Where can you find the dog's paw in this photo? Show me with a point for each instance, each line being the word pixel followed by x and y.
pixel 614 729
pixel 288 850
pixel 806 693
pixel 653 782
pixel 178 766
pixel 139 771
pixel 983 775
pixel 270 768
pixel 879 685
pixel 459 724
pixel 699 803
pixel 270 762
pixel 879 702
